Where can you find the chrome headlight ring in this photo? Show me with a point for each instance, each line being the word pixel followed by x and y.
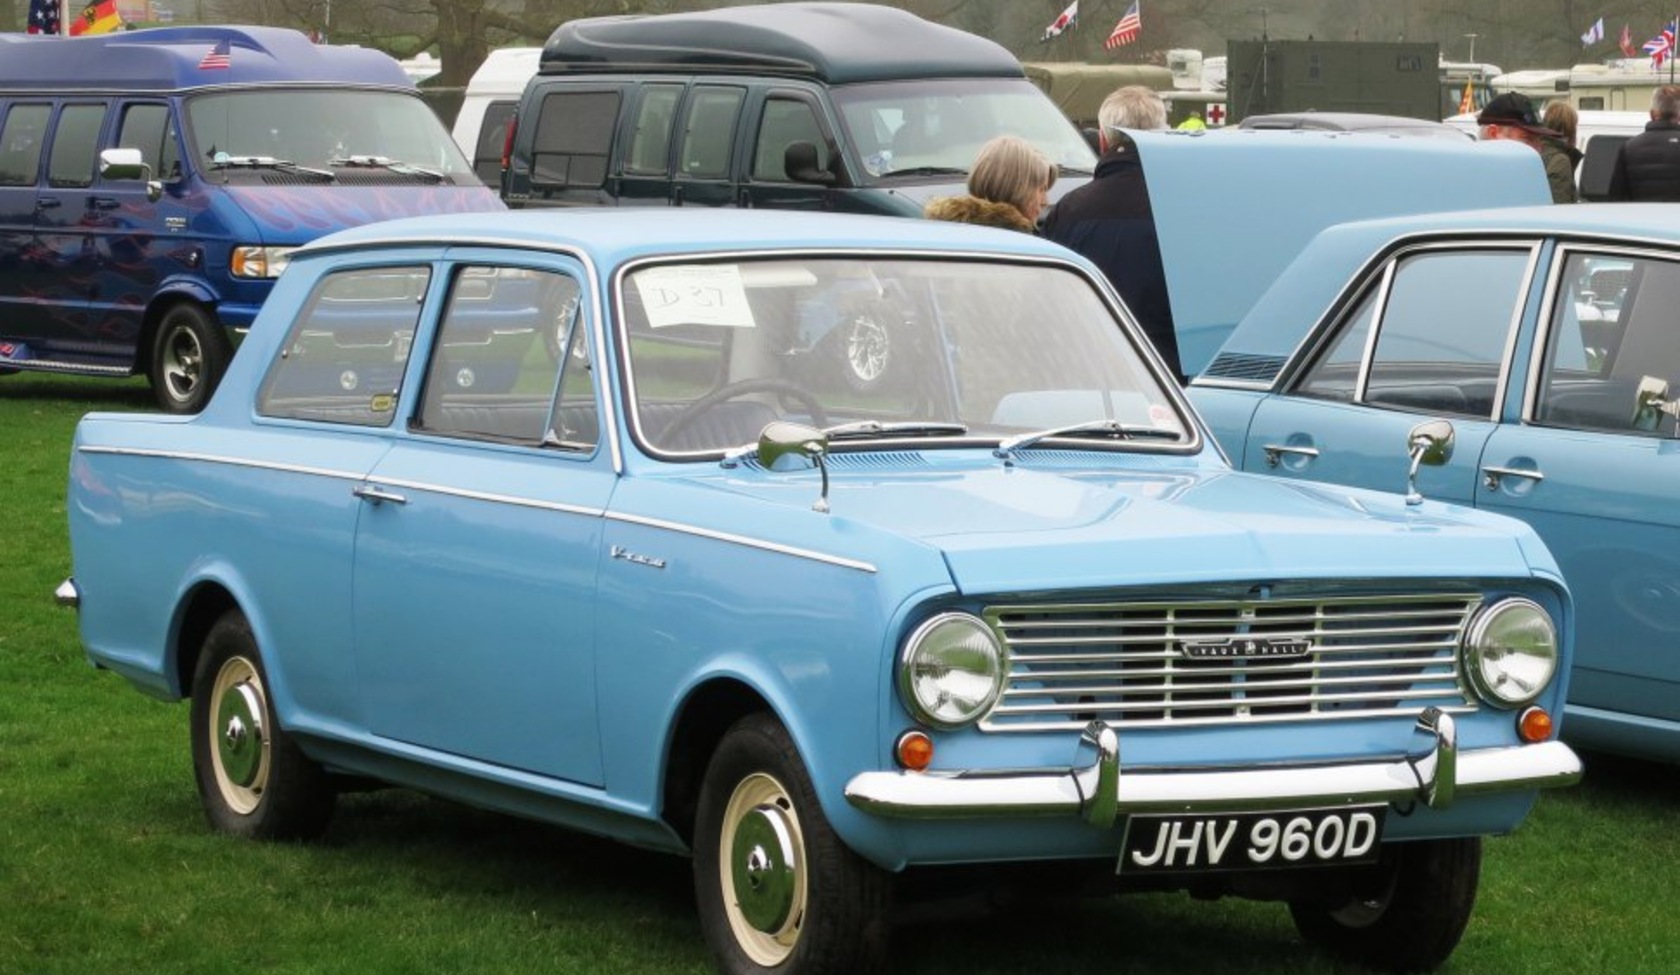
pixel 1511 652
pixel 952 670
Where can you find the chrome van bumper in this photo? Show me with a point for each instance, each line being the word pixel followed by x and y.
pixel 1099 792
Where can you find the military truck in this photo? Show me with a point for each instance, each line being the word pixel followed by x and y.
pixel 1381 78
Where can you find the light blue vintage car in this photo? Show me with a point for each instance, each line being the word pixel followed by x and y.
pixel 1548 338
pixel 583 529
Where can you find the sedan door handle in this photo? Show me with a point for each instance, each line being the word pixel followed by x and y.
pixel 1493 475
pixel 1275 452
pixel 374 494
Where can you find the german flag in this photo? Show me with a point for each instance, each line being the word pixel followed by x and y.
pixel 98 17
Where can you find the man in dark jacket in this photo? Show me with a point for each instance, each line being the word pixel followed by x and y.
pixel 1648 165
pixel 1109 219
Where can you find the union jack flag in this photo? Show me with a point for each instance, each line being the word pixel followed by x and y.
pixel 219 57
pixel 1661 47
pixel 1127 30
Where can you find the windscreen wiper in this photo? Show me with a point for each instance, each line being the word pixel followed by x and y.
pixel 926 171
pixel 873 429
pixel 386 162
pixel 222 160
pixel 1106 429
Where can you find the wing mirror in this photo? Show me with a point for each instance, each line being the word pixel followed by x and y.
pixel 1651 402
pixel 780 440
pixel 800 162
pixel 1430 442
pixel 129 164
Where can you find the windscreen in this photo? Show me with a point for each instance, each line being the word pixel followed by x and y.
pixel 360 135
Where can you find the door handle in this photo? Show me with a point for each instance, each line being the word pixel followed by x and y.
pixel 1493 475
pixel 47 202
pixel 374 494
pixel 103 203
pixel 1275 452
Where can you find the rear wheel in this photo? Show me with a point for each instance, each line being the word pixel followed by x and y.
pixel 1410 917
pixel 777 889
pixel 252 778
pixel 189 354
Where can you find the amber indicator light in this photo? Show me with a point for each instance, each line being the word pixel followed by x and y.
pixel 915 750
pixel 1534 724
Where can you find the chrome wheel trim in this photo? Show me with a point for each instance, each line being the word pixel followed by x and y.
pixel 761 857
pixel 239 744
pixel 181 362
pixel 866 348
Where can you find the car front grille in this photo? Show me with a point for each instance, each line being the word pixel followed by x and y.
pixel 1231 661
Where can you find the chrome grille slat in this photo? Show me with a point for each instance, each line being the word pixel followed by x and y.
pixel 1125 663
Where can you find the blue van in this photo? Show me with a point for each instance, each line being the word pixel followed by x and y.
pixel 153 184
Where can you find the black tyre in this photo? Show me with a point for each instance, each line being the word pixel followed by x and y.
pixel 777 889
pixel 252 778
pixel 189 354
pixel 1413 915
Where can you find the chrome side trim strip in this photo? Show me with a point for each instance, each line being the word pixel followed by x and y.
pixel 508 499
pixel 219 459
pixel 1103 790
pixel 803 553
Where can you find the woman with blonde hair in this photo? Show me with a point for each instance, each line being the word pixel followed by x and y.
pixel 1009 187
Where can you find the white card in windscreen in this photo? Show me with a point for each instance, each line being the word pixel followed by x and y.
pixel 694 294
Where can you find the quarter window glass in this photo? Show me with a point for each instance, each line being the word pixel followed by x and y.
pixel 21 138
pixel 1444 330
pixel 785 122
pixel 1336 375
pixel 496 362
pixel 492 137
pixel 574 138
pixel 1613 347
pixel 347 351
pixel 650 146
pixel 710 132
pixel 74 141
pixel 149 129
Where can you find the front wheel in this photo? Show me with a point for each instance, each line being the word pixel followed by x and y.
pixel 189 354
pixel 252 778
pixel 778 891
pixel 1410 918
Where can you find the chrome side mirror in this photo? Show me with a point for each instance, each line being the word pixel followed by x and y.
pixel 781 439
pixel 1650 402
pixel 1430 442
pixel 129 164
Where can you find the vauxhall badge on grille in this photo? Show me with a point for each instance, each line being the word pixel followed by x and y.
pixel 1247 647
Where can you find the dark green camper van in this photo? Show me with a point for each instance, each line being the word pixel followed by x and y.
pixel 820 106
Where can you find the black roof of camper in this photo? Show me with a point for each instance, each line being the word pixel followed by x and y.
pixel 837 43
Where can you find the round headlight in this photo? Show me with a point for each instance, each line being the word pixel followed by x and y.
pixel 1511 652
pixel 952 671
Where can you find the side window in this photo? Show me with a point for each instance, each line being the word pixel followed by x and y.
pixel 492 138
pixel 1612 336
pixel 1335 376
pixel 74 141
pixel 710 131
pixel 345 356
pixel 650 145
pixel 21 136
pixel 573 139
pixel 785 121
pixel 148 127
pixel 497 362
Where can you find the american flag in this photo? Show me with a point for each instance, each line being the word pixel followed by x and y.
pixel 43 17
pixel 1661 47
pixel 1127 30
pixel 220 57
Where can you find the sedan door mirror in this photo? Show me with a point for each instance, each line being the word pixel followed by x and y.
pixel 781 439
pixel 1430 442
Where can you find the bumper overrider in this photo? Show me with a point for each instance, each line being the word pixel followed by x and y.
pixel 1099 791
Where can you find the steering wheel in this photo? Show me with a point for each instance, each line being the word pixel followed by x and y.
pixel 735 390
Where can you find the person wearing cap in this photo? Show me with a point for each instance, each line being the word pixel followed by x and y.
pixel 1109 219
pixel 1511 116
pixel 1648 165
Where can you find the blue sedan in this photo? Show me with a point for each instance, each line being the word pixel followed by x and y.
pixel 1547 338
pixel 823 550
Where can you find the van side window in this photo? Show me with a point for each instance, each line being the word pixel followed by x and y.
pixel 74 143
pixel 21 136
pixel 492 136
pixel 785 121
pixel 574 138
pixel 710 131
pixel 650 146
pixel 149 128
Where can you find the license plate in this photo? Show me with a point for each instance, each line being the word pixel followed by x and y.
pixel 1252 841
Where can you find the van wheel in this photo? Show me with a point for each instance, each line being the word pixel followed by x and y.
pixel 1411 917
pixel 777 889
pixel 189 355
pixel 252 778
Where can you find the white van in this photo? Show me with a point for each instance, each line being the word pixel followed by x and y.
pixel 1599 135
pixel 492 95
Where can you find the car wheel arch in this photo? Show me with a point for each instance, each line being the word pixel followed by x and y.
pixel 709 710
pixel 198 612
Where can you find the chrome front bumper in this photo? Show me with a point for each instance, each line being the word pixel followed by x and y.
pixel 1099 792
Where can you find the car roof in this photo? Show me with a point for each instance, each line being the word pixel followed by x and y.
pixel 168 59
pixel 612 236
pixel 1233 209
pixel 838 43
pixel 1289 310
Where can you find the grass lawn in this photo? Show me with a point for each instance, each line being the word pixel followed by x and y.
pixel 107 866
